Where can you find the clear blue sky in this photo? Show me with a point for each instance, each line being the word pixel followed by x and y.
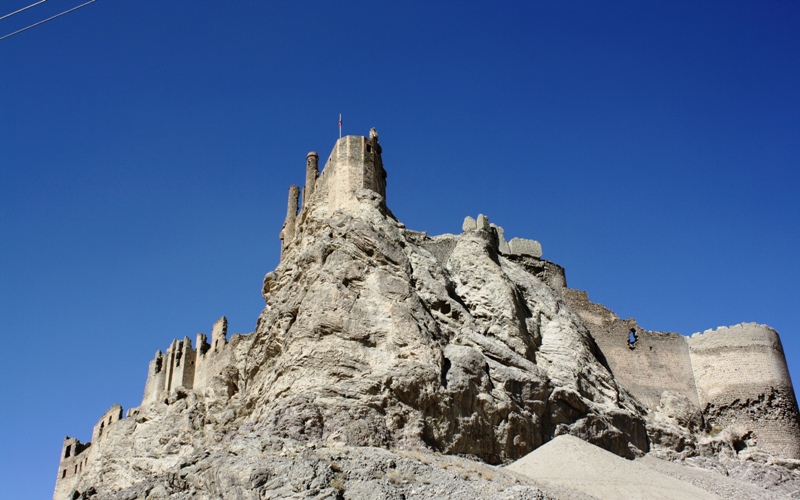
pixel 146 149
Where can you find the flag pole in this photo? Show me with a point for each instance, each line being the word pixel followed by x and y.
pixel 340 125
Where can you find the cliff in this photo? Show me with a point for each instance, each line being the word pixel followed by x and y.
pixel 379 346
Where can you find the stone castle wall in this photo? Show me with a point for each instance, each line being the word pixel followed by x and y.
pixel 736 375
pixel 659 362
pixel 183 366
pixel 76 456
pixel 745 366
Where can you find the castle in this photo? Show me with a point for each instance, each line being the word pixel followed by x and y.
pixel 736 375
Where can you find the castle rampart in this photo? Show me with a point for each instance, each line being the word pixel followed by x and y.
pixel 744 366
pixel 183 366
pixel 104 425
pixel 210 357
pixel 287 233
pixel 659 362
pixel 736 375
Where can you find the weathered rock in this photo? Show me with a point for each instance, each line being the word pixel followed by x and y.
pixel 378 337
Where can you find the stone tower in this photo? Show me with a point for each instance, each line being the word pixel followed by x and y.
pixel 354 165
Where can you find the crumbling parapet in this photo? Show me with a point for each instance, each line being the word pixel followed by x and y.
pixel 502 244
pixel 74 457
pixel 482 223
pixel 219 334
pixel 103 426
pixel 168 371
pixel 517 246
pixel 522 246
pixel 180 370
pixel 469 224
pixel 156 379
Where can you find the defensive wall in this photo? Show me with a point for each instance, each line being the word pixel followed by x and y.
pixel 736 375
pixel 182 366
pixel 659 362
pixel 76 456
pixel 742 379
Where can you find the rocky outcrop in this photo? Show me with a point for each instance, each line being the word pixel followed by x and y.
pixel 369 339
pixel 377 336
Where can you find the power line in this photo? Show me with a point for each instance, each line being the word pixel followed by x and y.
pixel 22 9
pixel 44 20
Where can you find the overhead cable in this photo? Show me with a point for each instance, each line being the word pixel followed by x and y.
pixel 48 19
pixel 22 9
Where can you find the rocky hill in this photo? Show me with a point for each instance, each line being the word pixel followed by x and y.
pixel 388 364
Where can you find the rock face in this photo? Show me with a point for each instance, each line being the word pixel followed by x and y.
pixel 374 335
pixel 370 339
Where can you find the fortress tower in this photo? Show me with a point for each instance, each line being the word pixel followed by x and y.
pixel 355 164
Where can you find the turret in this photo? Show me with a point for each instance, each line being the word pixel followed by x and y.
pixel 312 171
pixel 219 334
pixel 287 233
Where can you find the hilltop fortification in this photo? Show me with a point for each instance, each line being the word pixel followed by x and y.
pixel 378 344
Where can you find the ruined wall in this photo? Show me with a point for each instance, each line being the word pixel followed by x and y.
pixel 659 361
pixel 156 379
pixel 106 422
pixel 290 223
pixel 74 458
pixel 312 172
pixel 77 456
pixel 742 379
pixel 192 369
pixel 737 375
pixel 180 364
pixel 170 370
pixel 550 273
pixel 211 358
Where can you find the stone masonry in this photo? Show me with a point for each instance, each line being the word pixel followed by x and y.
pixel 734 375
